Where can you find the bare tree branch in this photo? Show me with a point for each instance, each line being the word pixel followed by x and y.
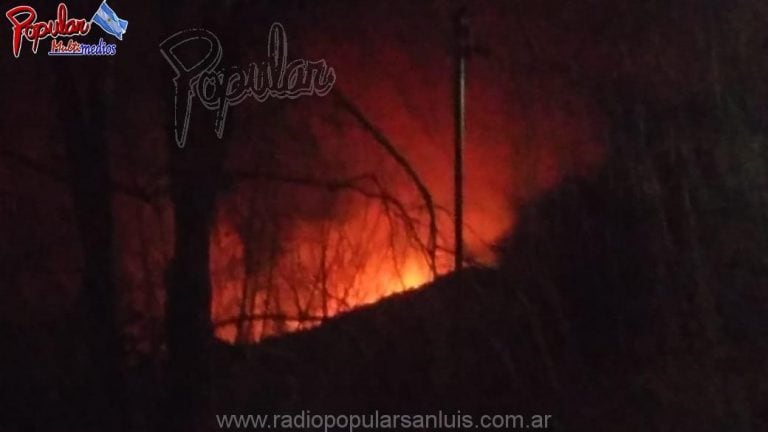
pixel 42 169
pixel 382 139
pixel 353 184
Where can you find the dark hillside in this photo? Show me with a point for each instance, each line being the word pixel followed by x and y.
pixel 634 299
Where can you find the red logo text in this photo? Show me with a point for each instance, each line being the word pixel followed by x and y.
pixel 26 26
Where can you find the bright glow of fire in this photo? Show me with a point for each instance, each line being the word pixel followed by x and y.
pixel 323 268
pixel 335 251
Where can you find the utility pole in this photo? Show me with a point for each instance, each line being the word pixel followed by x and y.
pixel 461 27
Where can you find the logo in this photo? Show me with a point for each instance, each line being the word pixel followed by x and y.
pixel 220 88
pixel 25 26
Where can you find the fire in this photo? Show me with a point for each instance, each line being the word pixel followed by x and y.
pixel 336 250
pixel 349 250
pixel 414 274
pixel 323 268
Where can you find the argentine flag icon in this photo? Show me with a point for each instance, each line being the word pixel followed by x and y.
pixel 108 20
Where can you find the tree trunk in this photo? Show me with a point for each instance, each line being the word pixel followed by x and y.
pixel 88 160
pixel 188 301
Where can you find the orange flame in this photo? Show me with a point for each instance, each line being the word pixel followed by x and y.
pixel 356 253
